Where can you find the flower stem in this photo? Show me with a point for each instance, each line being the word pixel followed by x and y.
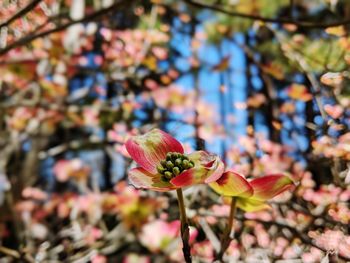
pixel 185 231
pixel 226 237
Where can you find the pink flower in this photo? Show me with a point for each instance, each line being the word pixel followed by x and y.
pixel 203 250
pixel 335 111
pixel 66 169
pixel 299 92
pixel 251 195
pixel 34 193
pixel 157 235
pixel 165 167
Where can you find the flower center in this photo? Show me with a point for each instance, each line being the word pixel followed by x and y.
pixel 174 164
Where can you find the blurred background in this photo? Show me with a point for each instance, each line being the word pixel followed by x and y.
pixel 263 84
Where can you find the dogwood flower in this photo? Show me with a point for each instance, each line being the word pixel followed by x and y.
pixel 251 195
pixel 163 165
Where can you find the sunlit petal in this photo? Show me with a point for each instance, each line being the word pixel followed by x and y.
pixel 269 186
pixel 251 205
pixel 232 184
pixel 141 178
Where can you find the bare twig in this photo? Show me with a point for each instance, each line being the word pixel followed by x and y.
pixel 97 15
pixel 315 86
pixel 21 13
pixel 305 24
pixel 9 252
pixel 210 234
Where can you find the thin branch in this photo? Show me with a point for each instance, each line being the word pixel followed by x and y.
pixel 315 86
pixel 305 24
pixel 98 14
pixel 291 8
pixel 21 13
pixel 9 252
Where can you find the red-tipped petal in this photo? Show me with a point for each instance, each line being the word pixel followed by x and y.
pixel 186 178
pixel 269 186
pixel 140 178
pixel 151 148
pixel 232 184
pixel 189 177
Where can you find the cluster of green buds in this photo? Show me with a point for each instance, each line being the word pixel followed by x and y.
pixel 174 164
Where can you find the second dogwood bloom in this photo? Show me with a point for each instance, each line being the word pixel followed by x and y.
pixel 251 195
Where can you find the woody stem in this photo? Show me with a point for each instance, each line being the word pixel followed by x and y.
pixel 185 231
pixel 226 237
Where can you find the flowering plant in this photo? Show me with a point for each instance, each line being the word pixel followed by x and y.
pixel 165 167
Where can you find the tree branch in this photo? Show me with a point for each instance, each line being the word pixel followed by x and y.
pixel 21 13
pixel 9 252
pixel 98 14
pixel 305 24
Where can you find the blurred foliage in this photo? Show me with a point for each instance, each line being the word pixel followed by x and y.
pixel 264 84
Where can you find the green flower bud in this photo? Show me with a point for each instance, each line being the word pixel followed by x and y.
pixel 169 165
pixel 178 162
pixel 168 175
pixel 174 164
pixel 168 156
pixel 185 164
pixel 176 170
pixel 160 169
